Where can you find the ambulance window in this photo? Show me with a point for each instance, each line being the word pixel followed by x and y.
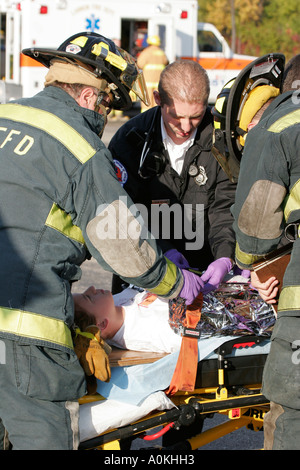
pixel 162 35
pixel 208 42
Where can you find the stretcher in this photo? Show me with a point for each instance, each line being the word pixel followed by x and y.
pixel 228 383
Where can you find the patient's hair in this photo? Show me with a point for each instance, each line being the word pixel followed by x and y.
pixel 83 320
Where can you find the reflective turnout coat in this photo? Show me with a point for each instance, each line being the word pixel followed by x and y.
pixel 268 193
pixel 152 60
pixel 60 201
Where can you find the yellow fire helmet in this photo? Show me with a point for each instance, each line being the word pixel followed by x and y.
pixel 256 99
pixel 237 104
pixel 104 59
pixel 153 40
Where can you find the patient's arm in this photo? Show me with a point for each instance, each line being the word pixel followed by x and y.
pixel 267 290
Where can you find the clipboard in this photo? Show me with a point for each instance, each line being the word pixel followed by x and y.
pixel 274 264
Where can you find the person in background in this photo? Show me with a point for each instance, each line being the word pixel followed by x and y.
pixel 163 159
pixel 58 193
pixel 152 60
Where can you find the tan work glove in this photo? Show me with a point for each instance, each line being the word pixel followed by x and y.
pixel 92 353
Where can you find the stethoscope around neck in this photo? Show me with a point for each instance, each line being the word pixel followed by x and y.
pixel 145 151
pixel 151 163
pixel 154 163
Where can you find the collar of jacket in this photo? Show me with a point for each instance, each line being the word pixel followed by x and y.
pixel 204 131
pixel 95 120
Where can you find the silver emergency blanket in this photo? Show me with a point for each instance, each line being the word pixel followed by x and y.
pixel 235 309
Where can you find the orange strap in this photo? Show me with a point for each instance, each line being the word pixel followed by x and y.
pixel 184 377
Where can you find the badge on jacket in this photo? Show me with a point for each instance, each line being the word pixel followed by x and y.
pixel 199 174
pixel 121 172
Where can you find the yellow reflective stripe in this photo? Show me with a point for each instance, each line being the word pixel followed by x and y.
pixel 289 298
pixel 168 281
pixel 59 220
pixel 33 325
pixel 245 258
pixel 80 41
pixel 53 126
pixel 219 104
pixel 286 121
pixel 103 49
pixel 154 67
pixel 292 201
pixel 152 84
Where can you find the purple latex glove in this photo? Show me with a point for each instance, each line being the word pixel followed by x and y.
pixel 177 258
pixel 241 272
pixel 215 273
pixel 192 286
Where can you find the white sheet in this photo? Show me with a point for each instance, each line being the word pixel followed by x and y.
pixel 97 417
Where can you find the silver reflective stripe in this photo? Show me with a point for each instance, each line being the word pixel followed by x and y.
pixel 73 409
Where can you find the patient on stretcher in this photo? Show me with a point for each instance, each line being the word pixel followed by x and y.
pixel 140 321
pixel 131 320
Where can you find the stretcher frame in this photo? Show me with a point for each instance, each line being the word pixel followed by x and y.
pixel 244 407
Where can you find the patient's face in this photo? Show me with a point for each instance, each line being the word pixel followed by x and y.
pixel 100 304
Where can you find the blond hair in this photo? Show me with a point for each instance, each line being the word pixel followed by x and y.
pixel 184 80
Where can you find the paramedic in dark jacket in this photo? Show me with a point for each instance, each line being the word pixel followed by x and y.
pixel 163 158
pixel 60 202
pixel 267 202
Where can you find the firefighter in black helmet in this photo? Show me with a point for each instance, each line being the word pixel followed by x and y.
pixel 61 202
pixel 238 102
pixel 104 60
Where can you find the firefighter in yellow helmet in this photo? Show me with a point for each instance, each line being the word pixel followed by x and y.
pixel 266 213
pixel 152 60
pixel 239 104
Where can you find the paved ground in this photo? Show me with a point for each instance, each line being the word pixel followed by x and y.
pixel 93 274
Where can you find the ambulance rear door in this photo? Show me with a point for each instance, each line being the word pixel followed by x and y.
pixel 10 40
pixel 163 26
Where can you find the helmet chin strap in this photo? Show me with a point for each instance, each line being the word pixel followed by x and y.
pixel 103 115
pixel 101 109
pixel 105 96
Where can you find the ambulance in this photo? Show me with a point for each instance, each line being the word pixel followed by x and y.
pixel 38 23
